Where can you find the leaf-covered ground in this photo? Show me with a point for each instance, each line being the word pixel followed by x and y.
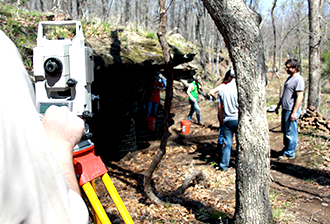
pixel 300 189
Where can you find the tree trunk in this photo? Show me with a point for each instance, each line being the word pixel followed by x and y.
pixel 127 11
pixel 161 33
pixel 169 64
pixel 79 9
pixel 42 8
pixel 217 55
pixel 186 16
pixel 274 32
pixel 299 35
pixel 104 10
pixel 314 94
pixel 172 14
pixel 239 26
pixel 199 14
pixel 137 14
pixel 202 39
pixel 281 44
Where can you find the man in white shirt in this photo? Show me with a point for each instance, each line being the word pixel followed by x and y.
pixel 38 184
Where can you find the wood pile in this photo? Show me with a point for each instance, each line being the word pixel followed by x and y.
pixel 313 119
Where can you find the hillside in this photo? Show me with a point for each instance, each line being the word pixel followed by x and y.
pixel 135 45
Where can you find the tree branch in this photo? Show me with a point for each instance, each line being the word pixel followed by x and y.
pixel 267 14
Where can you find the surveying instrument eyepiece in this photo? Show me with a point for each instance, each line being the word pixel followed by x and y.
pixel 64 72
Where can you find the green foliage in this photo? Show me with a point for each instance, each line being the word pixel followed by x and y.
pixel 273 195
pixel 278 213
pixel 151 35
pixel 107 28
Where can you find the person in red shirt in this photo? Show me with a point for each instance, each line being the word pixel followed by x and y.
pixel 154 98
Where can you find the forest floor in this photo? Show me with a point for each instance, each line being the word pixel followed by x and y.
pixel 300 188
pixel 299 192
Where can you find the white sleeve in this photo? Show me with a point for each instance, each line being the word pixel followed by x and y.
pixel 77 209
pixel 33 189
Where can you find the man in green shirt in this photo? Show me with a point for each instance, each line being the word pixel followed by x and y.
pixel 193 99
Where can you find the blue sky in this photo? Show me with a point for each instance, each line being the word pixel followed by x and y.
pixel 265 4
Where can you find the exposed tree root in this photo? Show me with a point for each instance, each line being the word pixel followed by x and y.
pixel 196 177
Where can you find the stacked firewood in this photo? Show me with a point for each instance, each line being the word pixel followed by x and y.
pixel 314 120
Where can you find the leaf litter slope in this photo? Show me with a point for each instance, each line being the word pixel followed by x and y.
pixel 299 189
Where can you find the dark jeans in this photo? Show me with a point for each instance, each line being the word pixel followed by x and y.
pixel 150 106
pixel 229 128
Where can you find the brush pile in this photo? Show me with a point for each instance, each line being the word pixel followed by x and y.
pixel 314 120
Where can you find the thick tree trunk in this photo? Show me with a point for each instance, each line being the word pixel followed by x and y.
pixel 239 26
pixel 314 96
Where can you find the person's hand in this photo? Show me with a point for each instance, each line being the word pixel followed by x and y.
pixel 64 130
pixel 276 109
pixel 62 126
pixel 293 116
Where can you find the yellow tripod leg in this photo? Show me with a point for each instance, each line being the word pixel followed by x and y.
pixel 96 217
pixel 116 199
pixel 96 204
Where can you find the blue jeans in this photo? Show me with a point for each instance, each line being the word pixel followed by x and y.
pixel 151 105
pixel 194 107
pixel 220 138
pixel 290 133
pixel 229 128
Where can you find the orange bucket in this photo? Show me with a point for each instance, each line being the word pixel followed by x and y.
pixel 185 127
pixel 151 123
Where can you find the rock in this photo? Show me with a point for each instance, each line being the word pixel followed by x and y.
pixel 312 108
pixel 324 204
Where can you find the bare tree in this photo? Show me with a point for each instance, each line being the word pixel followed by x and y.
pixel 239 26
pixel 275 71
pixel 282 36
pixel 161 33
pixel 217 47
pixel 79 8
pixel 172 14
pixel 274 32
pixel 314 93
pixel 127 11
pixel 199 14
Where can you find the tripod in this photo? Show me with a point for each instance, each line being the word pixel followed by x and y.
pixel 89 167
